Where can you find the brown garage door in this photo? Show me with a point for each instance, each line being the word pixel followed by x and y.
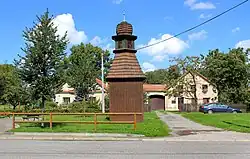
pixel 157 102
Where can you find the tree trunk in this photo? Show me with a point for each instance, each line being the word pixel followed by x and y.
pixel 43 108
pixel 195 95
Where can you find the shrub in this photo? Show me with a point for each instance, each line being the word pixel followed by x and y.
pixel 50 105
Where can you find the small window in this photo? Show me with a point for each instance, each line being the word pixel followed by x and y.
pixel 192 87
pixel 204 88
pixel 174 101
pixel 206 100
pixel 66 100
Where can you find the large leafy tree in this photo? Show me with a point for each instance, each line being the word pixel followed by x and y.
pixel 162 76
pixel 12 90
pixel 230 72
pixel 43 56
pixel 85 67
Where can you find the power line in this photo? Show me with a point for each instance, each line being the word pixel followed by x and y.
pixel 228 10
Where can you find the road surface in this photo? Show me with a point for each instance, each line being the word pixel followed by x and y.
pixel 31 149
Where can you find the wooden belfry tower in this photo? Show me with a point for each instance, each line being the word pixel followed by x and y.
pixel 125 77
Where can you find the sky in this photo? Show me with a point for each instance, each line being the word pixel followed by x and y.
pixel 95 21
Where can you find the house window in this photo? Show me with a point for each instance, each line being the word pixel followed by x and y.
pixel 204 88
pixel 66 100
pixel 174 101
pixel 93 98
pixel 205 100
pixel 192 88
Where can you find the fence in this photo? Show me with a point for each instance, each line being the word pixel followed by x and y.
pixel 95 122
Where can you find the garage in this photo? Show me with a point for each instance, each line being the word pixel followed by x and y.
pixel 157 102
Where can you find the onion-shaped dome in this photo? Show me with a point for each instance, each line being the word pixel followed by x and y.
pixel 124 28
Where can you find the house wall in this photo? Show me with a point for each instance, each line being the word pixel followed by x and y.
pixel 211 93
pixel 59 97
pixel 168 102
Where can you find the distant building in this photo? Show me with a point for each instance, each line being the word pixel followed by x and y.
pixel 206 92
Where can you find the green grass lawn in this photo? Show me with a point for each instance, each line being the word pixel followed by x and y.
pixel 233 122
pixel 152 126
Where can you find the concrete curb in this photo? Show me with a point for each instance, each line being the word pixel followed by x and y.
pixel 79 138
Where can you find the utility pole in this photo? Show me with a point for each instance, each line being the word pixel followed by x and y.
pixel 103 101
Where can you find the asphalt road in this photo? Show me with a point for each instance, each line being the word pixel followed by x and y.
pixel 27 149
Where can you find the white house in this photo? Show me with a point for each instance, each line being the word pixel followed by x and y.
pixel 67 95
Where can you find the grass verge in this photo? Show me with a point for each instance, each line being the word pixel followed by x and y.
pixel 152 126
pixel 232 122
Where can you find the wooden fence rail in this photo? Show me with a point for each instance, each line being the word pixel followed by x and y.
pixel 95 122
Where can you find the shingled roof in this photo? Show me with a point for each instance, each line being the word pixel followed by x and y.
pixel 125 65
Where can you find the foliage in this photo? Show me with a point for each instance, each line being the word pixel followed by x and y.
pixel 44 54
pixel 161 76
pixel 85 67
pixel 230 72
pixel 13 91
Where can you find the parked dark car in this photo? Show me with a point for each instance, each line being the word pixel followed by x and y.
pixel 218 108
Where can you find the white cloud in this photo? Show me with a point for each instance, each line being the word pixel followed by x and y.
pixel 65 22
pixel 194 5
pixel 117 1
pixel 96 40
pixel 237 29
pixel 103 43
pixel 159 51
pixel 204 16
pixel 147 67
pixel 198 35
pixel 159 58
pixel 244 44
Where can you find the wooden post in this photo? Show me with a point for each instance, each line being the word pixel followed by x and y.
pixel 134 121
pixel 13 121
pixel 50 121
pixel 95 121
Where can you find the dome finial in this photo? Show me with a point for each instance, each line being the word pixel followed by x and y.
pixel 124 16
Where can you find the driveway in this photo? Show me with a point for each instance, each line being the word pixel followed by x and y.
pixel 182 126
pixel 5 124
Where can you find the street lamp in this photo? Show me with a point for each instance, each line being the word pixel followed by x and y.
pixel 103 101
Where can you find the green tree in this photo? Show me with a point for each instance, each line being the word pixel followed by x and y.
pixel 162 76
pixel 230 72
pixel 11 87
pixel 44 52
pixel 85 67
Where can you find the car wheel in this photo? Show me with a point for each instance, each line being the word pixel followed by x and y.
pixel 210 112
pixel 234 112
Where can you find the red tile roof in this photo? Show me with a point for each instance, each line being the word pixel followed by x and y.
pixel 154 87
pixel 146 87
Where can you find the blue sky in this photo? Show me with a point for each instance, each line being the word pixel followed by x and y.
pixel 95 21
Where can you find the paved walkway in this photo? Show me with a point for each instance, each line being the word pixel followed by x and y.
pixel 5 124
pixel 182 126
